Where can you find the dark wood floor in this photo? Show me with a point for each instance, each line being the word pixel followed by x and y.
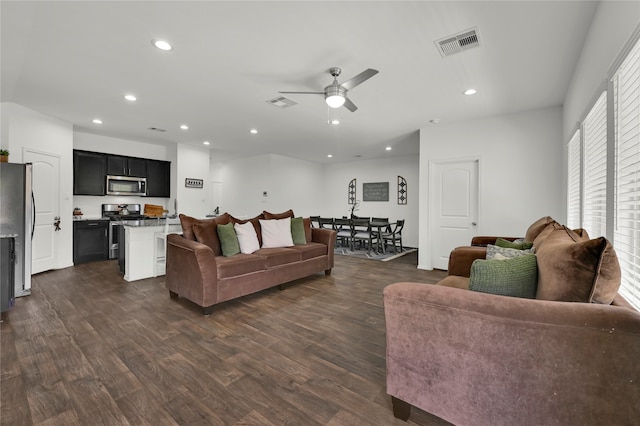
pixel 88 348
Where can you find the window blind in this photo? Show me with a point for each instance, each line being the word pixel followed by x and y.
pixel 594 171
pixel 626 101
pixel 574 159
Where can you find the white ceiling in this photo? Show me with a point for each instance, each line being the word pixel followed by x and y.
pixel 76 60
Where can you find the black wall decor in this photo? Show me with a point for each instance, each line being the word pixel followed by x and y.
pixel 402 190
pixel 375 191
pixel 352 192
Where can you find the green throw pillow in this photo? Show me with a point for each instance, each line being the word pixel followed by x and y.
pixel 297 230
pixel 517 277
pixel 228 239
pixel 501 242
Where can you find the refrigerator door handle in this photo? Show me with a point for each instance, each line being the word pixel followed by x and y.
pixel 33 214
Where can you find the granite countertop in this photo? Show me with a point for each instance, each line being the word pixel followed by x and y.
pixel 150 222
pixel 83 217
pixel 8 235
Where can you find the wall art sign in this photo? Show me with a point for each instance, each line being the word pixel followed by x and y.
pixel 375 191
pixel 193 183
pixel 402 190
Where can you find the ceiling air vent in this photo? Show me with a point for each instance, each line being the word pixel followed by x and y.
pixel 156 129
pixel 458 42
pixel 282 102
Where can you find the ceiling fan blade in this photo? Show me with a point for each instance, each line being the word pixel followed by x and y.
pixel 350 105
pixel 304 93
pixel 360 78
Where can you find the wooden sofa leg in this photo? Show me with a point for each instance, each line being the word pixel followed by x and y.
pixel 208 310
pixel 401 409
pixel 173 294
pixel 280 287
pixel 327 272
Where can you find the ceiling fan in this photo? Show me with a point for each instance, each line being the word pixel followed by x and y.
pixel 335 94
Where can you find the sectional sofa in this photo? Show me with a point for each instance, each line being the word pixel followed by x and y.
pixel 565 352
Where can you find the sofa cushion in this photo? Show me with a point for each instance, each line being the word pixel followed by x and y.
pixel 228 239
pixel 267 215
pixel 455 281
pixel 308 234
pixel 493 251
pixel 517 276
pixel 276 233
pixel 297 231
pixel 247 237
pixel 187 223
pixel 310 250
pixel 542 236
pixel 277 256
pixel 572 269
pixel 518 245
pixel 239 264
pixel 255 221
pixel 206 233
pixel 537 227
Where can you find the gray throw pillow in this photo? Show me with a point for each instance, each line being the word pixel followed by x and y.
pixel 517 277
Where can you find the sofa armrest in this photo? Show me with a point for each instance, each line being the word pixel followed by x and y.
pixel 191 270
pixel 476 358
pixel 327 237
pixel 461 258
pixel 483 240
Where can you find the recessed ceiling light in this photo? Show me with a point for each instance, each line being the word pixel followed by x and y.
pixel 206 143
pixel 97 121
pixel 388 148
pixel 184 127
pixel 470 92
pixel 329 155
pixel 130 98
pixel 334 122
pixel 161 44
pixel 434 121
pixel 253 131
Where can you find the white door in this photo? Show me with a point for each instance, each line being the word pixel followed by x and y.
pixel 453 198
pixel 46 187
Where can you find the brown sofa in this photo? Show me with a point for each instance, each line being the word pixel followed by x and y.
pixel 568 356
pixel 198 271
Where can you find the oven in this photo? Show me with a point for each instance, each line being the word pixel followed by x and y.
pixel 118 214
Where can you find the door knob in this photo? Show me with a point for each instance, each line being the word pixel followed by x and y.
pixel 56 223
pixel 473 224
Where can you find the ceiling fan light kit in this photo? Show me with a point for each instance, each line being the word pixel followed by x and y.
pixel 335 94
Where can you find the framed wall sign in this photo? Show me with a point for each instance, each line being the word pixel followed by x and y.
pixel 193 183
pixel 375 191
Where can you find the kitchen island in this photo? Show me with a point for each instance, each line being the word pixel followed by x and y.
pixel 143 252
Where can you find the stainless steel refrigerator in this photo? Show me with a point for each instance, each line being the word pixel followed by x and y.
pixel 17 211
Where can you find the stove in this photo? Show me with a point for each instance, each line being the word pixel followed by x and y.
pixel 114 212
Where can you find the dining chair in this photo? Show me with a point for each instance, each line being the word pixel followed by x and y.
pixel 361 231
pixel 343 229
pixel 395 236
pixel 315 221
pixel 325 222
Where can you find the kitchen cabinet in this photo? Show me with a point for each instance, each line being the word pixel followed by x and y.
pixel 90 240
pixel 89 171
pixel 158 178
pixel 118 165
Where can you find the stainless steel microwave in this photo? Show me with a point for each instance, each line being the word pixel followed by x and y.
pixel 126 185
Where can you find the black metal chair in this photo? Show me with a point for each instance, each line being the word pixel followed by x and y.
pixel 315 221
pixel 395 236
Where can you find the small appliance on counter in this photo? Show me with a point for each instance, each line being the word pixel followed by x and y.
pixel 77 213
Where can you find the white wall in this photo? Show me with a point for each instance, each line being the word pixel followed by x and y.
pixel 25 128
pixel 336 183
pixel 193 162
pixel 520 174
pixel 289 183
pixel 91 205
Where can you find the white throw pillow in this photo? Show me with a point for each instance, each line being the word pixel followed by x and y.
pixel 276 233
pixel 247 237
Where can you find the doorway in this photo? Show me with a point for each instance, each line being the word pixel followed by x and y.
pixel 453 201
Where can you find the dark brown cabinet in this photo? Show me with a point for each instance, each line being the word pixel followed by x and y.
pixel 90 240
pixel 89 173
pixel 118 165
pixel 158 178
